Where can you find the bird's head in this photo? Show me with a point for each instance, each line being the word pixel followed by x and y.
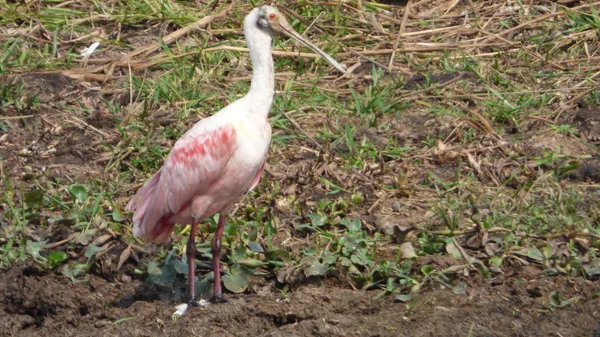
pixel 272 21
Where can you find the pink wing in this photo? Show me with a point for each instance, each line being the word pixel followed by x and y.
pixel 194 164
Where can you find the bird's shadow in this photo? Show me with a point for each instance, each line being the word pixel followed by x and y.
pixel 176 293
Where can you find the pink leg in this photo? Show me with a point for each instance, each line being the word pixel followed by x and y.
pixel 216 254
pixel 191 255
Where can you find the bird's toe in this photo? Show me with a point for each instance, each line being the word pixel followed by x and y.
pixel 219 299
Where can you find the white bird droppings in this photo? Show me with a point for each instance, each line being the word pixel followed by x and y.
pixel 182 308
pixel 90 50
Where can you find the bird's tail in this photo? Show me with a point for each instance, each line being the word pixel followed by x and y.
pixel 149 223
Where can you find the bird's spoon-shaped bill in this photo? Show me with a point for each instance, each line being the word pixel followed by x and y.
pixel 281 26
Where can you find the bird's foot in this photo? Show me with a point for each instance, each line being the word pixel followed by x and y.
pixel 197 303
pixel 219 299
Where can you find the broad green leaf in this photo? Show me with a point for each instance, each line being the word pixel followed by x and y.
pixel 57 257
pixel 153 268
pixel 317 220
pixel 453 250
pixel 72 271
pixel 231 229
pixel 204 286
pixel 403 297
pixel 239 253
pixel 352 224
pixel 316 269
pixel 535 254
pixel 180 266
pixel 84 238
pixel 592 269
pixel 427 269
pixel 496 261
pixel 345 262
pixel 352 270
pixel 161 275
pixel 116 215
pixel 34 199
pixel 277 254
pixel 33 249
pixel 255 247
pixel 304 227
pixel 252 263
pixel 361 258
pixel 79 192
pixel 236 281
pixel 91 250
pixel 60 220
pixel 329 258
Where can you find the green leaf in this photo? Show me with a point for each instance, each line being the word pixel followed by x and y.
pixel 352 224
pixel 592 269
pixel 453 251
pixel 79 192
pixel 255 247
pixel 84 238
pixel 496 261
pixel 239 253
pixel 34 199
pixel 403 297
pixel 427 269
pixel 153 268
pixel 303 227
pixel 180 266
pixel 231 229
pixel 278 254
pixel 91 250
pixel 116 215
pixel 72 271
pixel 204 286
pixel 535 254
pixel 252 263
pixel 161 275
pixel 352 270
pixel 60 220
pixel 33 249
pixel 361 258
pixel 236 280
pixel 316 269
pixel 317 220
pixel 345 262
pixel 57 257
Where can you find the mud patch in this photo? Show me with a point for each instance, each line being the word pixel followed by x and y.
pixel 587 121
pixel 61 136
pixel 34 304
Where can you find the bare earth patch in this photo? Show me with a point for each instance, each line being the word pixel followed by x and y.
pixel 47 305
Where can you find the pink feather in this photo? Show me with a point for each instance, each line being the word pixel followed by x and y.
pixel 196 164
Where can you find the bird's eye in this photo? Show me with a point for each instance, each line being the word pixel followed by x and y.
pixel 272 16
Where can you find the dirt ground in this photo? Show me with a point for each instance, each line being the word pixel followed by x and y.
pixel 47 305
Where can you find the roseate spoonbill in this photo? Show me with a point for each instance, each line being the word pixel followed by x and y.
pixel 221 158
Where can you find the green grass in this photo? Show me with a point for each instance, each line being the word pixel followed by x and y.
pixel 350 149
